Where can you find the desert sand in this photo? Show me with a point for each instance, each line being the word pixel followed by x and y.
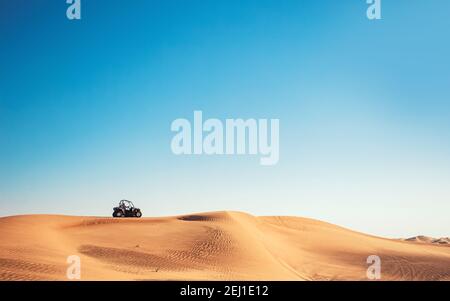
pixel 207 246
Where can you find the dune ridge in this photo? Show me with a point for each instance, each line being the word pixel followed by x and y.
pixel 213 246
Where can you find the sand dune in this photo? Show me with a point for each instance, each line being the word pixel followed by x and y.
pixel 430 240
pixel 212 246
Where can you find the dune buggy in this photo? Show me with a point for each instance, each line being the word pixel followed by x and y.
pixel 126 209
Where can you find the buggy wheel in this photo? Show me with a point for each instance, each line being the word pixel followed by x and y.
pixel 114 214
pixel 138 214
pixel 119 214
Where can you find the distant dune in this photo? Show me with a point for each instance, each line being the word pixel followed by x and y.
pixel 430 240
pixel 212 246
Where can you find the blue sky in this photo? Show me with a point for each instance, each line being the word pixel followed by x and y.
pixel 86 108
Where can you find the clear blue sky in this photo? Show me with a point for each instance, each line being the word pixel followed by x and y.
pixel 364 108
